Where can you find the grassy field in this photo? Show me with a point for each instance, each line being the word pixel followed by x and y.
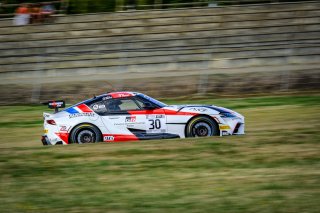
pixel 275 167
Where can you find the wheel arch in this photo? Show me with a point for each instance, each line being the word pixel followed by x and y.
pixel 84 123
pixel 199 115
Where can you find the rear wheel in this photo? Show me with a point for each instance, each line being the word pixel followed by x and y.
pixel 202 126
pixel 85 133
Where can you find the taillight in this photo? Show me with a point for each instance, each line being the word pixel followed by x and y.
pixel 52 122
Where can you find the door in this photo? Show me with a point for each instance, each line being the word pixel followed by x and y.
pixel 130 116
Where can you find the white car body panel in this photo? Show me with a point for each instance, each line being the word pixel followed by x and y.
pixel 138 124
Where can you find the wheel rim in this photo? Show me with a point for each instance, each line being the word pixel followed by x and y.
pixel 86 136
pixel 201 129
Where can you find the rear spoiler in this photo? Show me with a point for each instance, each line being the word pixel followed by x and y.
pixel 55 105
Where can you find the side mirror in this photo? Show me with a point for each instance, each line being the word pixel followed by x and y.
pixel 148 105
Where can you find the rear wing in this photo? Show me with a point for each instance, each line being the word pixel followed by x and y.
pixel 55 105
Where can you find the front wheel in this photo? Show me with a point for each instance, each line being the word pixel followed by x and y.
pixel 202 126
pixel 85 133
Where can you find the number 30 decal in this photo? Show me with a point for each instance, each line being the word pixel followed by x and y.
pixel 155 124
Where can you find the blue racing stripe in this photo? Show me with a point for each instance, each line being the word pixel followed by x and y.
pixel 72 110
pixel 217 109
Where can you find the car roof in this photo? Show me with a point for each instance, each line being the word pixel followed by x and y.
pixel 122 94
pixel 113 95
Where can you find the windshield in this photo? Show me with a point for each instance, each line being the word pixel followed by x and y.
pixel 156 102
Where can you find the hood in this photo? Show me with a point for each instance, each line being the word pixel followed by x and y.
pixel 207 109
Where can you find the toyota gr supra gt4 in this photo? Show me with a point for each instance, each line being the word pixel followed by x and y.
pixel 130 116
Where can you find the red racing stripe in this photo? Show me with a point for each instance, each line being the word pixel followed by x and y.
pixel 84 108
pixel 172 112
pixel 160 111
pixel 64 136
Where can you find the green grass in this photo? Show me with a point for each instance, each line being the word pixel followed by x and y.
pixel 275 167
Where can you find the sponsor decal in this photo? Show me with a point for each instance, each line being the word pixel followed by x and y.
pixel 55 104
pixel 119 137
pixel 151 116
pixel 198 109
pixel 63 129
pixel 120 94
pixel 108 138
pixel 86 114
pixel 45 131
pixel 130 124
pixel 114 117
pixel 131 119
pixel 123 95
pixel 107 97
pixel 95 107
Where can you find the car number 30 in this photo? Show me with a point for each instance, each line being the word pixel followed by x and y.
pixel 154 124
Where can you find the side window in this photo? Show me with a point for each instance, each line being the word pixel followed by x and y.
pixel 99 107
pixel 128 104
pixel 115 105
pixel 142 102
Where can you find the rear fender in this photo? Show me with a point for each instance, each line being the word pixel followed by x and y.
pixel 84 125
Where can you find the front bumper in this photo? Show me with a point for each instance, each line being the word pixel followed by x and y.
pixel 234 126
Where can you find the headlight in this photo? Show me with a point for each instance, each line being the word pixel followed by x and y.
pixel 227 115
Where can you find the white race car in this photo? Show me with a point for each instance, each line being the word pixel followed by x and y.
pixel 130 116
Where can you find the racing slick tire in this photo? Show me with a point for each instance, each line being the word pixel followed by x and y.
pixel 202 126
pixel 85 133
